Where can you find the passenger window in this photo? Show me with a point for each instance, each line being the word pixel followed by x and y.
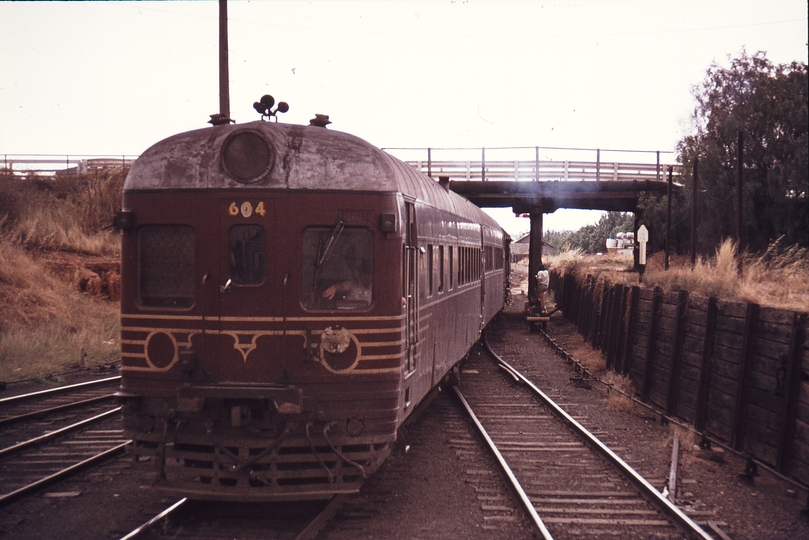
pixel 247 246
pixel 430 269
pixel 337 267
pixel 165 274
pixel 440 268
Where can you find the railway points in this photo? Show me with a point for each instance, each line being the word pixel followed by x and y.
pixel 51 434
pixel 29 405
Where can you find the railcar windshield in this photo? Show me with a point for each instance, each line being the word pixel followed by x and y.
pixel 246 244
pixel 337 267
pixel 166 266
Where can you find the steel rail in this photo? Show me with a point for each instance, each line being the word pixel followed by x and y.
pixel 58 390
pixel 309 532
pixel 162 515
pixel 53 434
pixel 645 487
pixel 671 419
pixel 106 454
pixel 50 410
pixel 322 518
pixel 529 506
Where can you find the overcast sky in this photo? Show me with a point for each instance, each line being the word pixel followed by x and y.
pixel 116 77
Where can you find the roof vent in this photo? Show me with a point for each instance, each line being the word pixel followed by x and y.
pixel 320 120
pixel 443 181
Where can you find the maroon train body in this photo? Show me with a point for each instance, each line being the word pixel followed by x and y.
pixel 290 294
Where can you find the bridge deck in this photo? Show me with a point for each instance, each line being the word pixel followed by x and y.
pixel 524 171
pixel 545 186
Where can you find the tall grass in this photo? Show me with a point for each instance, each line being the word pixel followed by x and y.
pixel 62 213
pixel 46 324
pixel 778 278
pixel 56 232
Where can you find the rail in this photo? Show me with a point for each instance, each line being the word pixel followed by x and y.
pixel 629 324
pixel 59 390
pixel 504 466
pixel 652 495
pixel 536 164
pixel 21 165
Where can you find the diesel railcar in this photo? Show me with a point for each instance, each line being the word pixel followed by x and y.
pixel 289 294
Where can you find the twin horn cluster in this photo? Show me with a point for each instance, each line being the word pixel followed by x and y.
pixel 264 107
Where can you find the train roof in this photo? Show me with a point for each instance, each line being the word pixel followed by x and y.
pixel 276 156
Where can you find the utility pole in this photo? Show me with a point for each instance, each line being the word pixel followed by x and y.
pixel 668 219
pixel 694 192
pixel 223 116
pixel 739 190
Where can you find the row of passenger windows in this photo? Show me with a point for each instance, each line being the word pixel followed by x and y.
pixel 451 266
pixel 336 265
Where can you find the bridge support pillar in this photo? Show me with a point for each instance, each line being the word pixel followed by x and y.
pixel 534 252
pixel 636 250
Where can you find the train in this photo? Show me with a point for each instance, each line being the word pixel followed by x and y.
pixel 289 295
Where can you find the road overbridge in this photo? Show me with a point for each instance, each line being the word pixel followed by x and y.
pixel 535 187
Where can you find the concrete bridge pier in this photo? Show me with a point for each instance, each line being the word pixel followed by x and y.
pixel 534 251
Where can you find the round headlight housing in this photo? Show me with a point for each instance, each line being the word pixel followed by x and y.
pixel 247 156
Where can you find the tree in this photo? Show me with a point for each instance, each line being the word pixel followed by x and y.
pixel 768 104
pixel 558 239
pixel 593 238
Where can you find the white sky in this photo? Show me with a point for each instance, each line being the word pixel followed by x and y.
pixel 116 77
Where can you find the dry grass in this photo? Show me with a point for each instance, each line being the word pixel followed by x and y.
pixel 620 401
pixel 46 325
pixel 567 262
pixel 774 279
pixel 56 232
pixel 63 213
pixel 779 278
pixel 689 439
pixel 592 360
pixel 28 293
pixel 689 444
pixel 589 358
pixel 615 268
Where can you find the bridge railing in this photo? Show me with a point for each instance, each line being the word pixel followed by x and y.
pixel 51 164
pixel 521 169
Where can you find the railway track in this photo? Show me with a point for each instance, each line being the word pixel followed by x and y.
pixel 569 482
pixel 46 436
pixel 246 521
pixel 23 408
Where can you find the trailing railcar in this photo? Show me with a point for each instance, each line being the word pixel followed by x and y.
pixel 289 295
